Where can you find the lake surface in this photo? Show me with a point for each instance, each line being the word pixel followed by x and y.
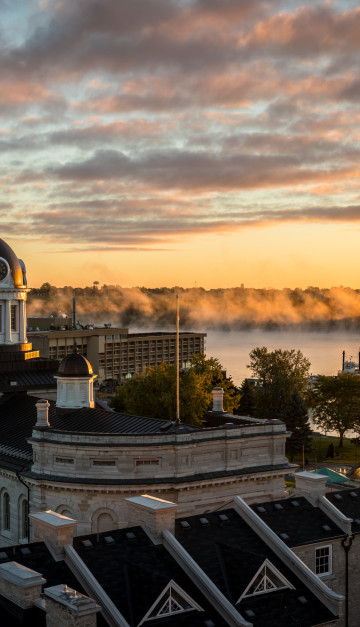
pixel 324 350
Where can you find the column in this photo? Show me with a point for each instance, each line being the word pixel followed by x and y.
pixel 22 322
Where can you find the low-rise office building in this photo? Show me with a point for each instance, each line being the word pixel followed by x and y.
pixel 114 352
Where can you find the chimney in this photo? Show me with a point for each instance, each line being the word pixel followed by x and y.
pixel 154 515
pixel 218 394
pixel 343 363
pixel 310 485
pixel 20 584
pixel 55 530
pixel 42 408
pixel 65 606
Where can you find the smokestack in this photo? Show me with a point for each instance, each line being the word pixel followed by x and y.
pixel 74 313
pixel 218 394
pixel 343 366
pixel 42 408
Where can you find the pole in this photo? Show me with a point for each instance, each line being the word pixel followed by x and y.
pixel 303 459
pixel 177 363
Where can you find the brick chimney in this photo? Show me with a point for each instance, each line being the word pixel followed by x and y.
pixel 55 530
pixel 20 584
pixel 153 514
pixel 65 606
pixel 310 485
pixel 42 408
pixel 218 394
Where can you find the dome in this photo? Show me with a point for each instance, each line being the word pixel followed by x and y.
pixel 75 365
pixel 8 254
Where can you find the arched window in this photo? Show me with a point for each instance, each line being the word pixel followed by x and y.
pixel 25 518
pixel 6 511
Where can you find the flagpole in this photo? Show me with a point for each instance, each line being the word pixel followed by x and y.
pixel 177 363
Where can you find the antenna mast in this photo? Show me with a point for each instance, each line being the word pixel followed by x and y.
pixel 177 363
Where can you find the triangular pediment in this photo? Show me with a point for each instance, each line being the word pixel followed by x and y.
pixel 172 600
pixel 267 579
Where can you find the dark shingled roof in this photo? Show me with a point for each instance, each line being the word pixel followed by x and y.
pixel 134 573
pixel 18 417
pixel 348 504
pixel 303 523
pixel 231 553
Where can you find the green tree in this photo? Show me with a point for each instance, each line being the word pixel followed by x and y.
pixel 246 405
pixel 280 372
pixel 154 395
pixel 295 415
pixel 335 402
pixel 213 372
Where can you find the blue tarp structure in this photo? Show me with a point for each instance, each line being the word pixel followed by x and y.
pixel 334 476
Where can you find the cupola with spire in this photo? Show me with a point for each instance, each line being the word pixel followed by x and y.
pixel 13 293
pixel 75 382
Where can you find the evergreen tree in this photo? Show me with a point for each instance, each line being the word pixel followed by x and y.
pixel 295 416
pixel 246 406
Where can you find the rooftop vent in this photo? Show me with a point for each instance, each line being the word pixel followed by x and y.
pixel 204 522
pixel 223 517
pixel 209 623
pixel 354 495
pixel 302 600
pixel 357 521
pixel 326 527
pixel 25 551
pixel 249 613
pixel 184 524
pixel 3 555
pixel 261 509
pixel 87 544
pixel 295 503
pixel 130 535
pixel 278 506
pixel 284 536
pixel 109 540
pixel 338 497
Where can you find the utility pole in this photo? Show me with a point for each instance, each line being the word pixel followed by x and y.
pixel 177 363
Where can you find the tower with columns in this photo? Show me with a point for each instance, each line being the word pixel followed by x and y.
pixel 13 294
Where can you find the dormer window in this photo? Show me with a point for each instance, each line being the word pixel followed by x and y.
pixel 173 600
pixel 266 579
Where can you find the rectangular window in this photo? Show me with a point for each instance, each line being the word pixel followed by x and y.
pixel 64 460
pixel 13 317
pixel 147 462
pixel 323 564
pixel 105 462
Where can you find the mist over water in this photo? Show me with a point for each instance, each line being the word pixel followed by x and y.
pixel 323 349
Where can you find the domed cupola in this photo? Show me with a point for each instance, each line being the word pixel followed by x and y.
pixel 75 382
pixel 13 293
pixel 12 265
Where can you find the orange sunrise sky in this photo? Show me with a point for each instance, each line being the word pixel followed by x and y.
pixel 181 142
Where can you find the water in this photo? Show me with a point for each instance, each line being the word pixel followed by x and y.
pixel 324 350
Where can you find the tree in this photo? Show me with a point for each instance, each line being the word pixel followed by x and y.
pixel 335 402
pixel 280 372
pixel 154 395
pixel 246 405
pixel 213 373
pixel 295 415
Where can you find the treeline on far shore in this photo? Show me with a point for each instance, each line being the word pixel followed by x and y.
pixel 312 309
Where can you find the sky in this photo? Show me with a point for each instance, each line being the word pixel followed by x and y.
pixel 181 142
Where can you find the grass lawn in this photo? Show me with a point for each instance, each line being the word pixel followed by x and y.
pixel 348 454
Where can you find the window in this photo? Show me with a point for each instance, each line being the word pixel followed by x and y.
pixel 13 317
pixel 6 511
pixel 173 600
pixel 266 579
pixel 25 519
pixel 147 462
pixel 64 460
pixel 105 462
pixel 323 564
